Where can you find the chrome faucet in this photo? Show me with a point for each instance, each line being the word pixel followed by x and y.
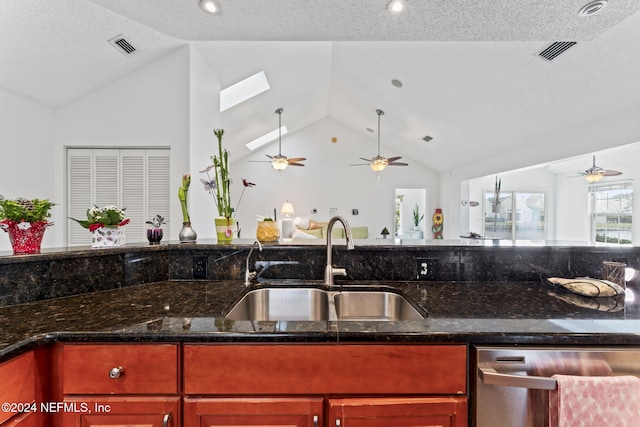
pixel 329 270
pixel 250 275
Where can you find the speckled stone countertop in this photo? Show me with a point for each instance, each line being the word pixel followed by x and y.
pixel 193 311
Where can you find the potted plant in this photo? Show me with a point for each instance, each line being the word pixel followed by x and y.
pixel 106 225
pixel 219 186
pixel 384 233
pixel 25 220
pixel 154 233
pixel 187 233
pixel 417 218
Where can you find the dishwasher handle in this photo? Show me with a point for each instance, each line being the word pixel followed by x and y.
pixel 491 376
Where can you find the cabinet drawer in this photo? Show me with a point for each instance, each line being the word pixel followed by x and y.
pixel 17 382
pixel 324 369
pixel 148 369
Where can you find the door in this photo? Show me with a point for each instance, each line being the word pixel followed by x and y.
pixel 272 412
pixel 108 411
pixel 398 412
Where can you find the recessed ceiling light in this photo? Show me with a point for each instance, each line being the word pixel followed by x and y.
pixel 592 8
pixel 395 6
pixel 396 83
pixel 210 6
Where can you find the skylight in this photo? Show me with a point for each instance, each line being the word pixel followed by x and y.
pixel 243 90
pixel 266 138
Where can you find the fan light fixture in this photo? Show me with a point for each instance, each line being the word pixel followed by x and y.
pixel 279 162
pixel 378 163
pixel 594 176
pixel 210 6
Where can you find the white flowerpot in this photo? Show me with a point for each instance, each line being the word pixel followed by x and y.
pixel 105 237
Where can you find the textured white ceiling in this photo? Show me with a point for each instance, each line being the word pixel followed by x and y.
pixel 472 78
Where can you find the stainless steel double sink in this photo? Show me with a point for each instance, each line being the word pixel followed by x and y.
pixel 314 304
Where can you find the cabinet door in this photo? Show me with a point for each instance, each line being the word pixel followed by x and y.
pixel 107 411
pixel 31 419
pixel 272 412
pixel 398 412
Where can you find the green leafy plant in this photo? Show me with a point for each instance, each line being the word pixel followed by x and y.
pixel 182 196
pixel 106 216
pixel 25 210
pixel 416 215
pixel 384 232
pixel 157 221
pixel 219 185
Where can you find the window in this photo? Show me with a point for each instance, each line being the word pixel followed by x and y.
pixel 134 179
pixel 520 215
pixel 611 212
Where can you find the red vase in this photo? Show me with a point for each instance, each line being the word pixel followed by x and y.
pixel 25 237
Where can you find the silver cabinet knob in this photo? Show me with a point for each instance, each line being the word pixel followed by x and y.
pixel 116 372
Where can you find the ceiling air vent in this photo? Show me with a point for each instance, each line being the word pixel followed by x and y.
pixel 554 50
pixel 427 138
pixel 122 45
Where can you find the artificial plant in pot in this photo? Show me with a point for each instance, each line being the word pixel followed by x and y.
pixel 219 186
pixel 155 233
pixel 106 225
pixel 417 218
pixel 25 220
pixel 187 233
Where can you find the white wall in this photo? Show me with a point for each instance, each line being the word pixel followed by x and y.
pixel 204 115
pixel 146 108
pixel 327 181
pixel 26 137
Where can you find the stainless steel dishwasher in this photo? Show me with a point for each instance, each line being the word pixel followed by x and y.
pixel 512 383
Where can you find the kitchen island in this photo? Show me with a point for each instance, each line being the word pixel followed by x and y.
pixel 146 307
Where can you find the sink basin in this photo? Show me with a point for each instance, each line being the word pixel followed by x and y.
pixel 282 304
pixel 376 305
pixel 312 304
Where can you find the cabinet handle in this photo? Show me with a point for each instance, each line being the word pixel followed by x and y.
pixel 116 372
pixel 338 422
pixel 166 420
pixel 315 421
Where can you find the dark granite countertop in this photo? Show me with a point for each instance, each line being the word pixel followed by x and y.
pixel 193 311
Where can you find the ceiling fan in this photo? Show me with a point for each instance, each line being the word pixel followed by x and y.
pixel 280 162
pixel 596 173
pixel 379 163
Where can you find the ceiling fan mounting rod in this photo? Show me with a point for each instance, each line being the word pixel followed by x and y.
pixel 279 113
pixel 379 113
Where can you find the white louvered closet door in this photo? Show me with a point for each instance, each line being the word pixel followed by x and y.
pixel 134 179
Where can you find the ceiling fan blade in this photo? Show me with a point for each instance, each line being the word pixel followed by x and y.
pixel 271 157
pixel 296 164
pixel 296 159
pixel 393 159
pixel 397 164
pixel 360 164
pixel 612 173
pixel 259 161
pixel 366 160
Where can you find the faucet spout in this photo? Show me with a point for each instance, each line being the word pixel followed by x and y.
pixel 250 275
pixel 330 271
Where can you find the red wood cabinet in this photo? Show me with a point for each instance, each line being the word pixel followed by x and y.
pixel 387 385
pixel 272 412
pixel 21 384
pixel 118 385
pixel 129 411
pixel 30 419
pixel 398 412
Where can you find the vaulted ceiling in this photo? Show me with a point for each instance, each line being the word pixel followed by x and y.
pixel 471 75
